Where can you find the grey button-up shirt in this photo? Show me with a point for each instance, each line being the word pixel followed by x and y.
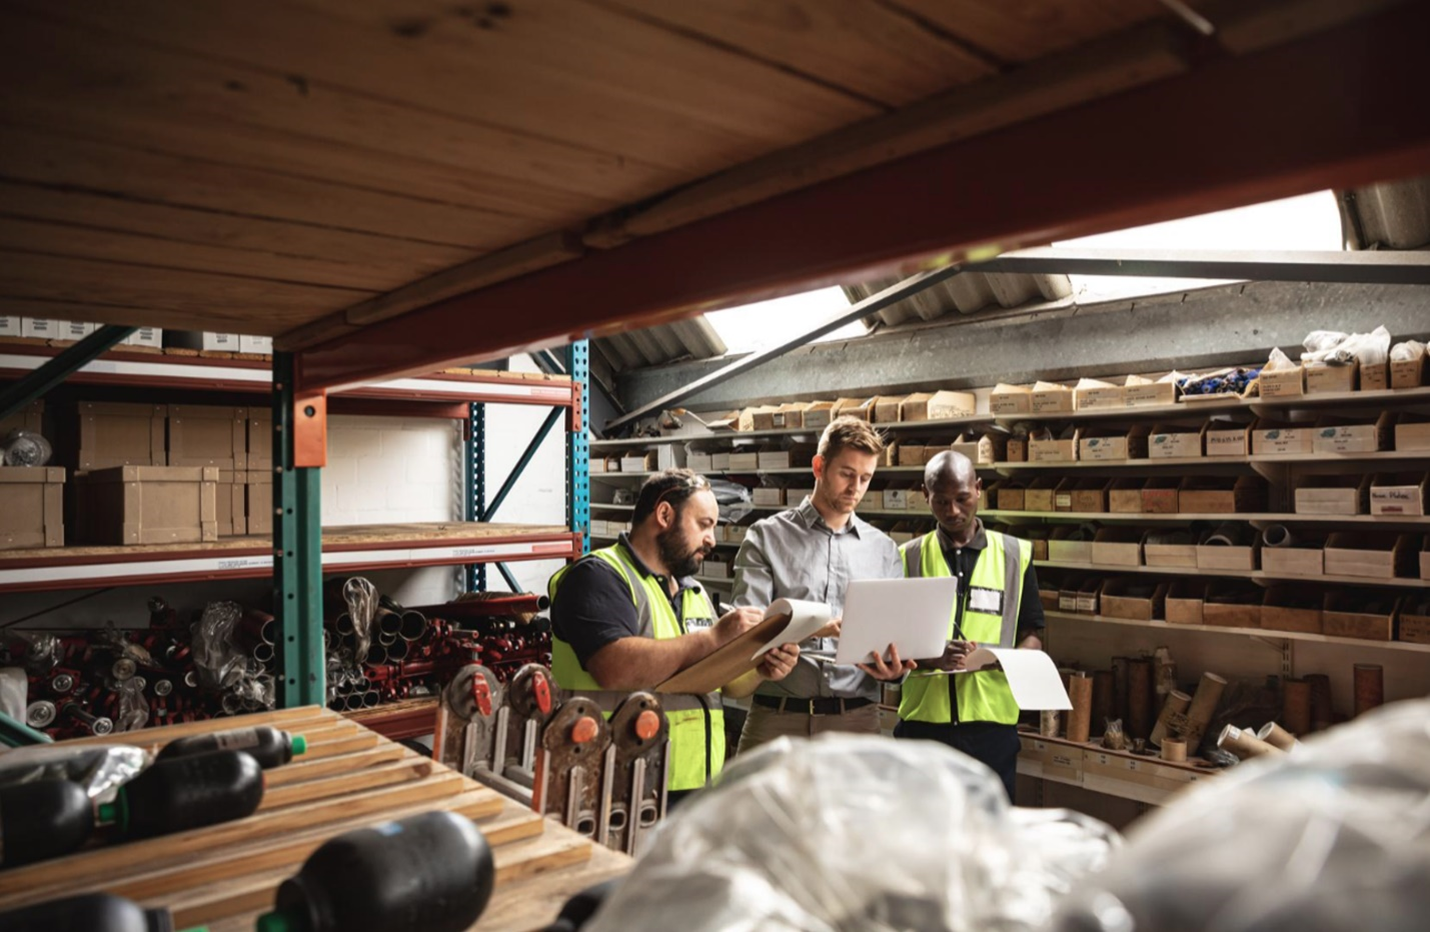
pixel 795 555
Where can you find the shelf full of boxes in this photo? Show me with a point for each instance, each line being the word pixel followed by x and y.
pixel 1292 512
pixel 154 493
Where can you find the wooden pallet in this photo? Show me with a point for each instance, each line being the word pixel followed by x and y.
pixel 224 876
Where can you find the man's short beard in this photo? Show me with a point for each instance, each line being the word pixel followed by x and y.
pixel 677 560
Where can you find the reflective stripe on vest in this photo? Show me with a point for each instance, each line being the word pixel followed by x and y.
pixel 984 696
pixel 697 723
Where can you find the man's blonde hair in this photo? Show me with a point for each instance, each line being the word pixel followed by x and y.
pixel 849 433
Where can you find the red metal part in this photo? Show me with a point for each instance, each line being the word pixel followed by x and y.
pixel 520 603
pixel 541 691
pixel 1326 111
pixel 482 695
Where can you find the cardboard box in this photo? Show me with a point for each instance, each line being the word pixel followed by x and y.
pixel 1232 605
pixel 32 512
pixel 1321 378
pixel 911 454
pixel 699 462
pixel 1065 547
pixel 720 462
pixel 1089 597
pixel 102 435
pixel 1052 399
pixel 1234 557
pixel 1169 548
pixel 818 414
pixel 1010 496
pixel 1063 495
pixel 896 499
pixel 1103 396
pixel 873 500
pixel 1117 546
pixel 796 456
pixel 40 328
pixel 916 500
pixel 72 331
pixel 1425 559
pixel 1090 495
pixel 746 460
pixel 759 417
pixel 796 495
pixel 861 408
pixel 1292 608
pixel 1412 432
pixel 147 505
pixel 992 447
pixel 11 325
pixel 1375 556
pixel 1279 438
pixel 735 533
pixel 1160 496
pixel 1359 613
pixel 1124 496
pixel 1344 435
pixel 1408 373
pixel 203 435
pixel 204 342
pixel 1414 624
pixel 31 418
pixel 1067 599
pixel 1173 441
pixel 148 337
pixel 1053 451
pixel 1304 557
pixel 789 416
pixel 1333 495
pixel 260 438
pixel 1398 493
pixel 938 406
pixel 1185 602
pixel 716 569
pixel 886 408
pixel 1224 438
pixel 638 461
pixel 1374 377
pixel 1040 493
pixel 231 499
pixel 1221 495
pixel 1017 451
pixel 766 495
pixel 1150 393
pixel 1101 443
pixel 1282 383
pixel 258 502
pixel 1135 599
pixel 250 343
pixel 964 443
pixel 1010 399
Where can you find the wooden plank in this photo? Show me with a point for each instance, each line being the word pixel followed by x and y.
pixel 1084 75
pixel 869 49
pixel 355 259
pixel 96 864
pixel 540 253
pixel 533 902
pixel 300 769
pixel 1022 30
pixel 60 158
pixel 249 305
pixel 163 734
pixel 326 787
pixel 547 852
pixel 359 741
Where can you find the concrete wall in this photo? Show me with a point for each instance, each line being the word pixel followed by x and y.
pixel 1238 323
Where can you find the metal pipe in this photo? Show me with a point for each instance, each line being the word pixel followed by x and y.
pixel 386 640
pixel 388 621
pixel 414 625
pixel 487 605
pixel 263 653
pixel 352 702
pixel 344 624
pixel 398 650
pixel 377 654
pixel 371 699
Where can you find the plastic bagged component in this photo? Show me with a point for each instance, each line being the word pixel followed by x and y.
pixel 1342 349
pixel 25 448
pixel 1278 360
pixel 14 687
pixel 42 651
pixel 1334 837
pixel 96 768
pixel 850 832
pixel 1409 351
pixel 133 711
pixel 361 598
pixel 219 659
pixel 734 500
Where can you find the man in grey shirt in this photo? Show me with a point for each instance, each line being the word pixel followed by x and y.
pixel 812 552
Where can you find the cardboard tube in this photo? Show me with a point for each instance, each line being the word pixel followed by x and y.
pixel 1369 687
pixel 1175 706
pixel 1276 736
pixel 1080 718
pixel 1203 707
pixel 1119 688
pixel 1322 715
pixel 1296 706
pixel 1243 743
pixel 1174 749
pixel 1277 535
pixel 1102 689
pixel 1139 698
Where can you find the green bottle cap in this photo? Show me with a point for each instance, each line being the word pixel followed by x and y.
pixel 275 922
pixel 300 744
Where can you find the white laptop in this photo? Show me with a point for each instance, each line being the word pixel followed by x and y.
pixel 911 614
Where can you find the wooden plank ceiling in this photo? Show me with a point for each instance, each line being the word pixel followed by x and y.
pixel 269 166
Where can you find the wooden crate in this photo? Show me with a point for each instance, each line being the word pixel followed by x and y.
pixel 31 507
pixel 224 876
pixel 147 505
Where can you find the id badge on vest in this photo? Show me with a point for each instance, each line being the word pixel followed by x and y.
pixel 988 601
pixel 702 623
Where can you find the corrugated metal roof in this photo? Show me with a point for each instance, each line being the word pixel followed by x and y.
pixel 967 294
pixel 654 346
pixel 1392 215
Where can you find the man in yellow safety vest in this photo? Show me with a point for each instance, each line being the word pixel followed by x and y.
pixel 629 616
pixel 997 605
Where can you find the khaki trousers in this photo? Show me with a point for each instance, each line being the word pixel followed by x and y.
pixel 765 724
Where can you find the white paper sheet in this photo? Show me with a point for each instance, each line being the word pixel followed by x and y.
pixel 1032 676
pixel 805 619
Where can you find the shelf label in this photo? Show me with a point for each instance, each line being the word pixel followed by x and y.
pixel 243 563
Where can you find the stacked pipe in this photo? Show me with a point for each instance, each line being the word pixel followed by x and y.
pixel 411 651
pixel 111 680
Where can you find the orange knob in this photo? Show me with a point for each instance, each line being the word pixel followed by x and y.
pixel 647 725
pixel 541 688
pixel 584 730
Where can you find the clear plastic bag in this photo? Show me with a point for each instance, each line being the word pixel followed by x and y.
pixel 733 499
pixel 218 658
pixel 850 832
pixel 25 448
pixel 1334 838
pixel 98 769
pixel 42 651
pixel 1409 351
pixel 361 598
pixel 133 707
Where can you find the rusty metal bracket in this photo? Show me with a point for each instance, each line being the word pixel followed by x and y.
pixel 571 764
pixel 634 796
pixel 310 430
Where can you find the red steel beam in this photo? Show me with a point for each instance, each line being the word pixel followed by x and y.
pixel 1332 110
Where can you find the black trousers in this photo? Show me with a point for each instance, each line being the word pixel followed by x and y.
pixel 989 742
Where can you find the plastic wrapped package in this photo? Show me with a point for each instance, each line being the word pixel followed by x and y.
pixel 25 448
pixel 133 707
pixel 849 832
pixel 219 660
pixel 361 598
pixel 1342 349
pixel 97 768
pixel 1278 360
pixel 733 499
pixel 1335 838
pixel 14 687
pixel 42 651
pixel 1409 351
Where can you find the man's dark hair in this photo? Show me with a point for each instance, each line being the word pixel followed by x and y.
pixel 672 485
